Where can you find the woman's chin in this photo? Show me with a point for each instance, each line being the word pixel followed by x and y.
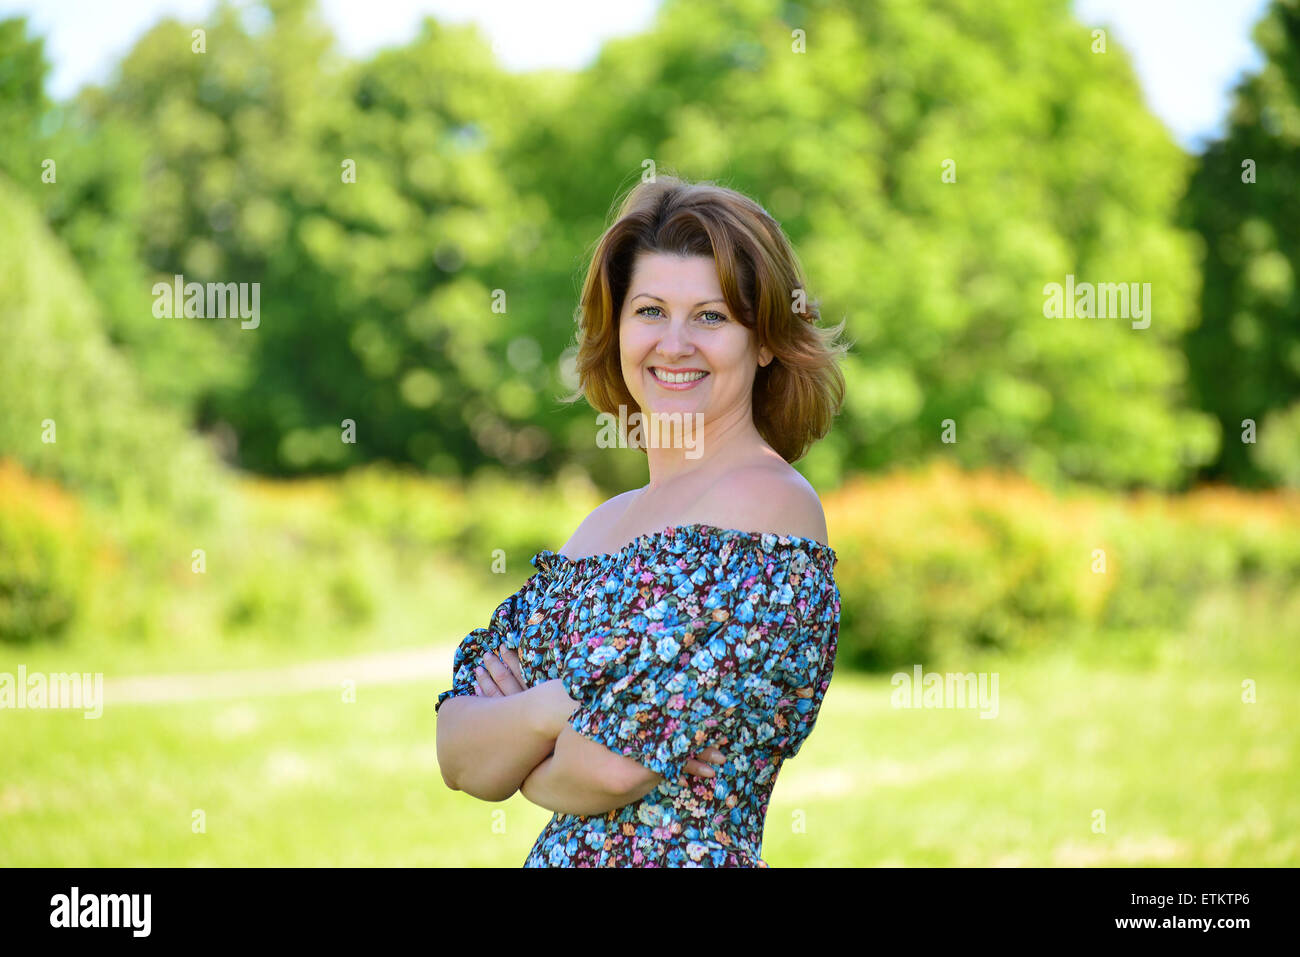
pixel 672 407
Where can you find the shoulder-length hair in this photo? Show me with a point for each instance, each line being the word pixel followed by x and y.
pixel 797 394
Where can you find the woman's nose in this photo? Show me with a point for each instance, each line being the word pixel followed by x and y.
pixel 675 340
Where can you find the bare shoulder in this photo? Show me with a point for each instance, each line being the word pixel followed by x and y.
pixel 766 498
pixel 600 516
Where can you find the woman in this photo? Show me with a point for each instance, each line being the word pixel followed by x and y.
pixel 648 681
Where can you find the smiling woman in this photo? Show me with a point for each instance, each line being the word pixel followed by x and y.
pixel 693 622
pixel 672 238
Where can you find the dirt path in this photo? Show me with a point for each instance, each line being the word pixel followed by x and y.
pixel 386 667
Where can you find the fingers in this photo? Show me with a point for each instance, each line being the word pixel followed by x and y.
pixel 511 658
pixel 703 764
pixel 500 675
pixel 511 679
pixel 486 687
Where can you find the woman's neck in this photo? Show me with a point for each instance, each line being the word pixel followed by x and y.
pixel 712 447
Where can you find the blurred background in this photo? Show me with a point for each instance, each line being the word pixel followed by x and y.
pixel 270 540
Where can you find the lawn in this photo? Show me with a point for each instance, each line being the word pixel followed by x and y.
pixel 1185 773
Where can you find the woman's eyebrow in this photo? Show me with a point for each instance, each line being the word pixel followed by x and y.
pixel 696 306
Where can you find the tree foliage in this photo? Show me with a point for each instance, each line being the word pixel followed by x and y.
pixel 936 166
pixel 1244 200
pixel 72 407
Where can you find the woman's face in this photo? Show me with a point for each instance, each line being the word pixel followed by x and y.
pixel 675 325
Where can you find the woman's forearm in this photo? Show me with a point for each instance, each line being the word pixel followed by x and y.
pixel 571 780
pixel 548 786
pixel 487 746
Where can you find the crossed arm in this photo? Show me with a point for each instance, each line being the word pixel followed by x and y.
pixel 575 779
pixel 508 738
pixel 519 739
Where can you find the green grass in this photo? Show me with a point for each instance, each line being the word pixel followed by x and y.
pixel 441 606
pixel 1186 774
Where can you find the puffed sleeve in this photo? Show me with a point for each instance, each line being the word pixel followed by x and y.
pixel 803 661
pixel 503 628
pixel 695 655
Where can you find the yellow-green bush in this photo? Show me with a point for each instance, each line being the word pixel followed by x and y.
pixel 932 562
pixel 43 558
pixel 940 560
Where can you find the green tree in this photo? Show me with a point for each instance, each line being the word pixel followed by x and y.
pixel 366 202
pixel 83 170
pixel 71 408
pixel 23 102
pixel 1244 200
pixel 1059 169
pixel 936 168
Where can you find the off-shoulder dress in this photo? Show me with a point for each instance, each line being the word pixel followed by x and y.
pixel 684 638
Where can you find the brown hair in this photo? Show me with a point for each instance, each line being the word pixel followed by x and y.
pixel 796 394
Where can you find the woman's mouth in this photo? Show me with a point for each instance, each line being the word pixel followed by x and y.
pixel 677 379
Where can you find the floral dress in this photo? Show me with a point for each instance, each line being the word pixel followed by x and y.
pixel 687 638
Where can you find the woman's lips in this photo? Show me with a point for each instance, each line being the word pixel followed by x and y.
pixel 678 386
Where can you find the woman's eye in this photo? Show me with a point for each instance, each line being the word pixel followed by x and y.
pixel 716 317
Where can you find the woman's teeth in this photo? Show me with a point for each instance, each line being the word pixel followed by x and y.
pixel 676 376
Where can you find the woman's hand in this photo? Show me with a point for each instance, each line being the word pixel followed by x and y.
pixel 501 675
pixel 702 769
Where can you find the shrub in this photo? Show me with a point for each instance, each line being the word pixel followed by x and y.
pixel 43 548
pixel 939 561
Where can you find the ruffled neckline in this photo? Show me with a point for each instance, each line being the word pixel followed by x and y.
pixel 550 561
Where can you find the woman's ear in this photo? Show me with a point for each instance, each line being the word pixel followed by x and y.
pixel 764 355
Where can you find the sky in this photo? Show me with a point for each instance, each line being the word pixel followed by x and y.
pixel 1188 53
